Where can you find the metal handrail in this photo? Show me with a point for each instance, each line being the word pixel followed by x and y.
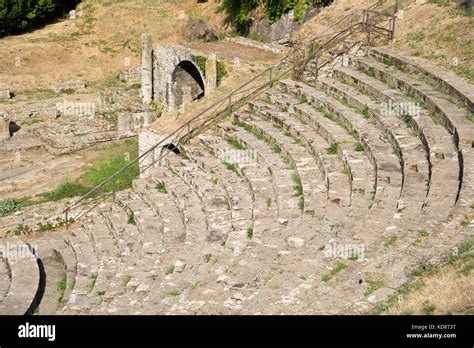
pixel 216 111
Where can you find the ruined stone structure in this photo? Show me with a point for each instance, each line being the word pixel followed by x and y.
pixel 65 85
pixel 4 92
pixel 171 77
pixel 131 121
pixel 4 128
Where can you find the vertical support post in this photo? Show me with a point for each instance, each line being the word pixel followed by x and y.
pixel 113 189
pixel 271 77
pixel 67 220
pixel 392 34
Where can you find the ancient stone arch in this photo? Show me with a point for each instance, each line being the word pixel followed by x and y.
pixel 171 77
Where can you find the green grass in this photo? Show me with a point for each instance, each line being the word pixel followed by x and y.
pixel 194 286
pixel 61 287
pixel 423 232
pixel 373 286
pixel 269 202
pixel 333 149
pixel 161 187
pixel 169 270
pixel 173 293
pixel 250 232
pixel 8 206
pixel 215 181
pixel 297 185
pixel 67 189
pixel 131 219
pixel 359 147
pixel 232 167
pixel 303 99
pixel 346 171
pixel 235 143
pixel 126 280
pixel 92 280
pixel 45 227
pixel 21 229
pixel 465 222
pixel 284 109
pixel 428 308
pixel 390 241
pixel 328 276
pixel 301 203
pixel 102 169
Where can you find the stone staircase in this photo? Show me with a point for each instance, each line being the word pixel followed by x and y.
pixel 336 163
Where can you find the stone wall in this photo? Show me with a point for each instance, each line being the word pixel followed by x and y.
pixel 131 75
pixel 65 85
pixel 4 128
pixel 4 92
pixel 281 30
pixel 127 121
pixel 146 140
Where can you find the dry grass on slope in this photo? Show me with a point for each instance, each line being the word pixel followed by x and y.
pixel 95 46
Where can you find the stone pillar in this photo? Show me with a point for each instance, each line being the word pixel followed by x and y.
pixel 211 75
pixel 4 128
pixel 4 92
pixel 146 140
pixel 147 69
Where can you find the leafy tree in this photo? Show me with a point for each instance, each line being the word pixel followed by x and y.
pixel 20 15
pixel 239 10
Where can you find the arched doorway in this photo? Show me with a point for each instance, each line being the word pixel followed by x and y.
pixel 187 83
pixel 13 128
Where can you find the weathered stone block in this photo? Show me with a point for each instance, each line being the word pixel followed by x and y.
pixel 4 92
pixel 65 85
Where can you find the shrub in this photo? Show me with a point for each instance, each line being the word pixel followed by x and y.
pixel 8 206
pixel 198 29
pixel 21 15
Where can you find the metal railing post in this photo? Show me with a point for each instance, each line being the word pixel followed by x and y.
pixel 271 77
pixel 113 189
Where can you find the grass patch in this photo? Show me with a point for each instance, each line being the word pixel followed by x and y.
pixel 173 293
pixel 328 276
pixel 333 149
pixel 232 167
pixel 303 99
pixel 8 206
pixel 250 232
pixel 61 287
pixel 373 286
pixel 161 187
pixel 298 186
pixel 359 147
pixel 126 280
pixel 428 308
pixel 235 143
pixel 102 170
pixel 169 270
pixel 269 202
pixel 92 281
pixel 423 233
pixel 131 219
pixel 390 241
